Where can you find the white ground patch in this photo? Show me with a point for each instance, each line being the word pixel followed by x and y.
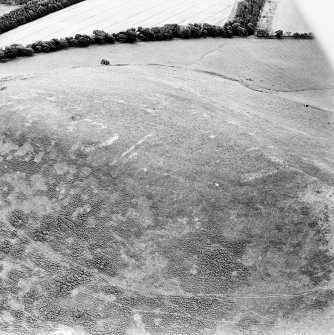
pixel 4 9
pixel 117 15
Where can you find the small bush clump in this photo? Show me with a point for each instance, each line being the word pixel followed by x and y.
pixel 63 283
pixel 17 218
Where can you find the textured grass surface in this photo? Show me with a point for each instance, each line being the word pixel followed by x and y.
pixel 117 15
pixel 162 195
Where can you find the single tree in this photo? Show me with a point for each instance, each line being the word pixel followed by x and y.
pixel 279 34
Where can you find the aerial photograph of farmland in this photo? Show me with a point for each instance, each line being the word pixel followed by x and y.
pixel 166 168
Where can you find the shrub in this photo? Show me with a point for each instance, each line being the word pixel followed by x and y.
pixel 105 62
pixel 109 38
pixel 184 33
pixel 10 52
pixel 195 31
pixel 250 28
pixel 248 11
pixel 84 40
pixel 60 44
pixel 262 33
pixel 99 36
pixel 72 42
pixel 63 283
pixel 40 235
pixel 16 50
pixel 17 218
pixel 103 264
pixel 147 34
pixel 131 36
pixel 279 34
pixel 6 246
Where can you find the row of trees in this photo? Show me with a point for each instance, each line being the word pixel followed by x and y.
pixel 31 11
pixel 248 12
pixel 280 34
pixel 167 32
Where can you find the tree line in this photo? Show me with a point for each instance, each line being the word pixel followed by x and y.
pixel 244 23
pixel 280 34
pixel 132 35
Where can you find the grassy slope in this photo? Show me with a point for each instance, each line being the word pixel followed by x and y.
pixel 208 184
pixel 114 16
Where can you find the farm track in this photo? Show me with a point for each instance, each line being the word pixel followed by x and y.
pixel 114 16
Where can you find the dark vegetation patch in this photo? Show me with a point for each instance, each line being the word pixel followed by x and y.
pixel 319 266
pixel 17 218
pixel 6 189
pixel 279 34
pixel 49 310
pixel 165 324
pixel 217 259
pixel 247 323
pixel 322 300
pixel 64 282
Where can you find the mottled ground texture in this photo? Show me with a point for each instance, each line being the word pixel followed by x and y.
pixel 185 189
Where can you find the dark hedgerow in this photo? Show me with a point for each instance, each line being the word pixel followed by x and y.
pixel 17 218
pixel 242 26
pixel 249 11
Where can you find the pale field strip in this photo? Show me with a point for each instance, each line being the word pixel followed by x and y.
pixel 267 15
pixel 4 9
pixel 282 15
pixel 116 15
pixel 288 18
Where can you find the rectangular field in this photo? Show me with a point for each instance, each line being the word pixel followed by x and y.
pixel 116 15
pixel 288 18
pixel 282 15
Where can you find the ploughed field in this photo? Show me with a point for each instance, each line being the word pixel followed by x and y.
pixel 114 16
pixel 185 189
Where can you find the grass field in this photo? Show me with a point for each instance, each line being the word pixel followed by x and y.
pixel 114 16
pixel 288 18
pixel 282 15
pixel 192 187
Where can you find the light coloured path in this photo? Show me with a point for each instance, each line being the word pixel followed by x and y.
pixel 116 15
